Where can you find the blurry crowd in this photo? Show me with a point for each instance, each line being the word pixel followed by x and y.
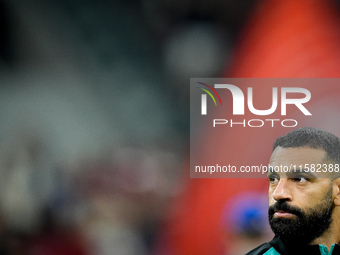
pixel 94 118
pixel 92 142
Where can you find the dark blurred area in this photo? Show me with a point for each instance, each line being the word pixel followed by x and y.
pixel 94 120
pixel 94 117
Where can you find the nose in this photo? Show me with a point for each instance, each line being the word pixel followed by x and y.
pixel 282 190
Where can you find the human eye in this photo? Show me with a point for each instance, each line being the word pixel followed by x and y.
pixel 273 179
pixel 300 179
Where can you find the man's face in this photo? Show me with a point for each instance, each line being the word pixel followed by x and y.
pixel 300 203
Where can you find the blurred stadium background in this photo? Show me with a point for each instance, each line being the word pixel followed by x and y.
pixel 94 119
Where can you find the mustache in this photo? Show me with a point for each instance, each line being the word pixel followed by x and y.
pixel 284 206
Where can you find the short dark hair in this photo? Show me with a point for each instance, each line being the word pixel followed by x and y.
pixel 312 138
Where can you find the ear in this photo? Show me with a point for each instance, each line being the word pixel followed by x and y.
pixel 336 191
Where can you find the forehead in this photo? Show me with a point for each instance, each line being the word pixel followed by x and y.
pixel 298 156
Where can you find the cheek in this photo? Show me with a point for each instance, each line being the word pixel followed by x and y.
pixel 310 196
pixel 311 200
pixel 307 200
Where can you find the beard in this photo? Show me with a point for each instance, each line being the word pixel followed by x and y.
pixel 306 226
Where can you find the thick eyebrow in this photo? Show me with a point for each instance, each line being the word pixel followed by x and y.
pixel 291 171
pixel 303 171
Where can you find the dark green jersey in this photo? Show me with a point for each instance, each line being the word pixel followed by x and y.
pixel 277 247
